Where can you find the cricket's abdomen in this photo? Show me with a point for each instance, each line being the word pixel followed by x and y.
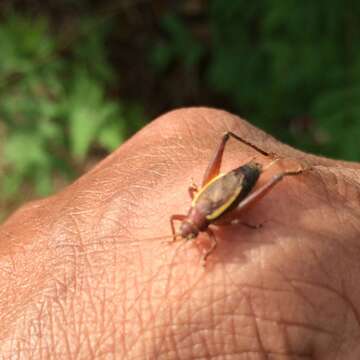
pixel 225 192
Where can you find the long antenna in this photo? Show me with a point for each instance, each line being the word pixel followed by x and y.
pixel 237 137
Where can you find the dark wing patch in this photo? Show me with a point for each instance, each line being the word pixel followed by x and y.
pixel 226 192
pixel 221 193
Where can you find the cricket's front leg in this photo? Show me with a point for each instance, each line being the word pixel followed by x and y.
pixel 173 218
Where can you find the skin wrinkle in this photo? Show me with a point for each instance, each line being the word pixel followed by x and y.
pixel 339 189
pixel 104 336
pixel 251 316
pixel 37 325
pixel 235 316
pixel 344 188
pixel 176 311
pixel 341 339
pixel 293 282
pixel 296 291
pixel 174 346
pixel 68 348
pixel 205 346
pixel 165 334
pixel 255 352
pixel 198 310
pixel 333 291
pixel 326 272
pixel 256 327
pixel 162 157
pixel 149 321
pixel 287 340
pixel 189 129
pixel 325 236
pixel 194 314
pixel 182 342
pixel 315 329
pixel 319 263
pixel 353 309
pixel 202 340
pixel 243 288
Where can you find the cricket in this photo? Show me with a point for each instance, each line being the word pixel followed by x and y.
pixel 220 194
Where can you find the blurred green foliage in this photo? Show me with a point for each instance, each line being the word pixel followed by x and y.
pixel 292 68
pixel 54 108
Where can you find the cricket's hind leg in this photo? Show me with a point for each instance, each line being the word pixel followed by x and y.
pixel 213 168
pixel 269 185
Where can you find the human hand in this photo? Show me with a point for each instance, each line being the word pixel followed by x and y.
pixel 86 274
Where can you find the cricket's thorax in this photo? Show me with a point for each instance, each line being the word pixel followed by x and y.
pixel 194 223
pixel 224 192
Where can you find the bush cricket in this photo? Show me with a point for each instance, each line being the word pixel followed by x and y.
pixel 221 193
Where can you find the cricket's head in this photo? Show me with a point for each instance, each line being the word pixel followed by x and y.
pixel 187 230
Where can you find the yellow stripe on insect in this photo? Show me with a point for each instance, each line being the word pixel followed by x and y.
pixel 224 207
pixel 204 188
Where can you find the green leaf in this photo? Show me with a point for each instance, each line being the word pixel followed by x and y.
pixel 25 150
pixel 111 135
pixel 43 181
pixel 88 111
